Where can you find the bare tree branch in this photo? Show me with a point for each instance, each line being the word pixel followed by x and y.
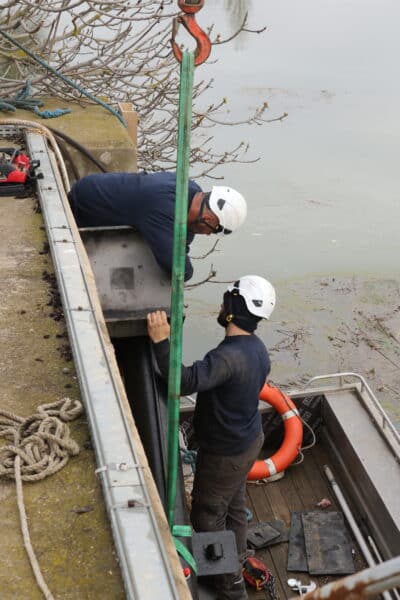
pixel 241 29
pixel 209 279
pixel 207 253
pixel 120 52
pixel 212 273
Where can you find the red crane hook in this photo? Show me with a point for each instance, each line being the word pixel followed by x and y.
pixel 190 6
pixel 188 20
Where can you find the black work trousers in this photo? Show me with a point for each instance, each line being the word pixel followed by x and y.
pixel 219 503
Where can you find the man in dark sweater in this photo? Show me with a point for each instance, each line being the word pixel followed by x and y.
pixel 227 422
pixel 147 202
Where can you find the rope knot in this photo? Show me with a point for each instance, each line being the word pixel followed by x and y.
pixel 42 441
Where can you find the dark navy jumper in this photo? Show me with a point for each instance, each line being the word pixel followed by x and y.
pixel 144 201
pixel 228 381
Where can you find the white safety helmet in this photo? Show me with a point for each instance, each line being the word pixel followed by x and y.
pixel 258 293
pixel 229 206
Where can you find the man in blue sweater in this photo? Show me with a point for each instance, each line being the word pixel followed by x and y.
pixel 147 202
pixel 227 422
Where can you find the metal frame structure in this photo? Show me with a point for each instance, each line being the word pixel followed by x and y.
pixel 364 387
pixel 364 584
pixel 141 552
pixel 368 477
pixel 366 397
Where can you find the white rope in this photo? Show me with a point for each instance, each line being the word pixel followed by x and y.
pixel 40 446
pixel 43 440
pixel 313 438
pixel 25 533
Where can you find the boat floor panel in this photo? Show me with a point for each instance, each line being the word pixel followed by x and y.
pixel 302 487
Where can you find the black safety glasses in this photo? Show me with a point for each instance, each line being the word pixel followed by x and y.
pixel 219 228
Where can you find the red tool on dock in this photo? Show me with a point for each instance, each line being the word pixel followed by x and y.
pixel 17 172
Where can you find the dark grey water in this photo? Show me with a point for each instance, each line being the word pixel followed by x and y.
pixel 324 196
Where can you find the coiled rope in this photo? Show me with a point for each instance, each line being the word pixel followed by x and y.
pixel 42 441
pixel 39 446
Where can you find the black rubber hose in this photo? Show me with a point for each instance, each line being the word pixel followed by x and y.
pixel 65 152
pixel 79 147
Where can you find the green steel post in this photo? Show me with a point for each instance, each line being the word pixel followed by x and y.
pixel 178 274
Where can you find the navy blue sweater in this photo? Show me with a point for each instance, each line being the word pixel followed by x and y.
pixel 228 381
pixel 144 201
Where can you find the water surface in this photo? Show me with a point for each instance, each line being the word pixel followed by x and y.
pixel 324 196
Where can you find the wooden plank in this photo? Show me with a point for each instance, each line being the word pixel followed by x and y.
pixel 301 489
pixel 294 485
pixel 263 511
pixel 309 480
pixel 131 119
pixel 276 500
pixel 318 487
pixel 271 496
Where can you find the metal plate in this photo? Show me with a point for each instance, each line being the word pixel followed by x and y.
pixel 267 533
pixel 297 558
pixel 328 545
pixel 228 563
pixel 128 278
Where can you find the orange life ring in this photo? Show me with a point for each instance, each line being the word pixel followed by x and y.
pixel 293 436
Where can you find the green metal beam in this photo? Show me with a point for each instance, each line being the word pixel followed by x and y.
pixel 178 274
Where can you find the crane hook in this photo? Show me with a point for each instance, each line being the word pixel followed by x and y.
pixel 188 20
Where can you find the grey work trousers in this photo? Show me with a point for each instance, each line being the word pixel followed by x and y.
pixel 219 501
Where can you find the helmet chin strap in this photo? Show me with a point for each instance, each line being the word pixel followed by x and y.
pixel 221 320
pixel 227 315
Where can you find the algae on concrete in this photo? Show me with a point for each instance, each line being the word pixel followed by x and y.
pixel 67 519
pixel 92 126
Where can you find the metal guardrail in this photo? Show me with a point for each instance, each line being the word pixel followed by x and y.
pixel 386 422
pixel 364 584
pixel 144 565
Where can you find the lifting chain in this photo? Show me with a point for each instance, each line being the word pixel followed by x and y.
pixel 270 587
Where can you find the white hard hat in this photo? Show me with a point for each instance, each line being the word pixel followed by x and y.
pixel 229 206
pixel 258 293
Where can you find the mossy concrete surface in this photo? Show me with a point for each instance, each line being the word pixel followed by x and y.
pixel 95 128
pixel 67 520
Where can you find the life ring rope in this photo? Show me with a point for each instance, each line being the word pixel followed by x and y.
pixel 293 435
